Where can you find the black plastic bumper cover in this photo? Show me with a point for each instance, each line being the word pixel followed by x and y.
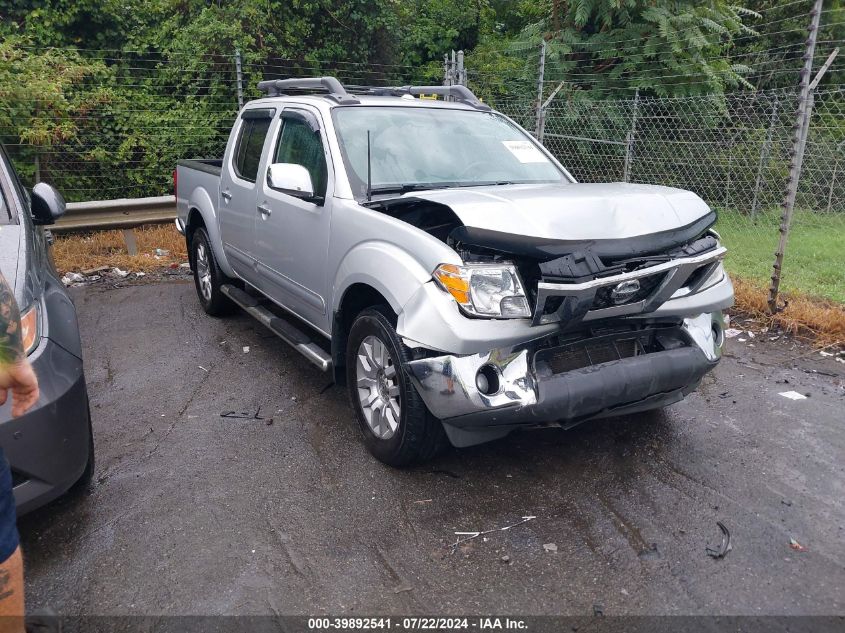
pixel 592 390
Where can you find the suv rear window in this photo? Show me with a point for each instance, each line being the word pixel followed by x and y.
pixel 250 142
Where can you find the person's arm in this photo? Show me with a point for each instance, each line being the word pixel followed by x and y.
pixel 16 373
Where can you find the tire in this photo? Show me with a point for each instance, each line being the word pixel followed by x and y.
pixel 208 278
pixel 414 436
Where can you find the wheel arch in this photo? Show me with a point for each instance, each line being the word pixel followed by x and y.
pixel 355 299
pixel 201 214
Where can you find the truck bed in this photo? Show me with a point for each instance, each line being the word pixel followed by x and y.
pixel 208 165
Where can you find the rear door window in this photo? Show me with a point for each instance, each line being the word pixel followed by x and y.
pixel 250 143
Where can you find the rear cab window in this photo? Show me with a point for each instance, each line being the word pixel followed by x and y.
pixel 247 157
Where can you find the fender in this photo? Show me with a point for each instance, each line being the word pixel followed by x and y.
pixel 383 266
pixel 200 201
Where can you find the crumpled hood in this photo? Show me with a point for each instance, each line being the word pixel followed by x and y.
pixel 576 211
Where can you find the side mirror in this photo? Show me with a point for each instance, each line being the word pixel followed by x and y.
pixel 48 205
pixel 291 179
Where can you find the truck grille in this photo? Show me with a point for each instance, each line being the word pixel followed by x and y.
pixel 596 350
pixel 604 295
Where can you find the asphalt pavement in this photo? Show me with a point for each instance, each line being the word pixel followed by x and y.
pixel 277 508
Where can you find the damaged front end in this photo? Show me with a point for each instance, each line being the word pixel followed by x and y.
pixel 563 380
pixel 608 326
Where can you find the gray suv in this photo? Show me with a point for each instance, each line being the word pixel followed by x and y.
pixel 447 268
pixel 51 447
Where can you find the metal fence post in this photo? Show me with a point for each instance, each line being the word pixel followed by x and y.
pixel 461 71
pixel 629 141
pixel 799 140
pixel 841 148
pixel 541 77
pixel 239 78
pixel 764 156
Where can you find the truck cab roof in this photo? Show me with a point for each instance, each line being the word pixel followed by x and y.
pixel 321 101
pixel 319 91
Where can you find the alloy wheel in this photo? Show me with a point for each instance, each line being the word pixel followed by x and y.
pixel 378 387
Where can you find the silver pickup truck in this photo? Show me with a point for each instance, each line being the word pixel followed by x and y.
pixel 441 264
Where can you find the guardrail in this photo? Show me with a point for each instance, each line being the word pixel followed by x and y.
pixel 125 213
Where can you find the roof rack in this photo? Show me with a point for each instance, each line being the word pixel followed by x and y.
pixel 338 93
pixel 462 94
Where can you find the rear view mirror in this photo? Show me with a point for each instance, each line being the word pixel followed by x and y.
pixel 48 205
pixel 291 179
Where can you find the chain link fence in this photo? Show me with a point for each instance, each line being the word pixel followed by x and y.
pixel 732 149
pixel 133 118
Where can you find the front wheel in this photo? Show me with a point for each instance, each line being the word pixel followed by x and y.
pixel 397 428
pixel 208 278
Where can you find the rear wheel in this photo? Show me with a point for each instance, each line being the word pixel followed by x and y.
pixel 397 428
pixel 208 278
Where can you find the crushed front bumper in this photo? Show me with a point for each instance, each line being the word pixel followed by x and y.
pixel 528 394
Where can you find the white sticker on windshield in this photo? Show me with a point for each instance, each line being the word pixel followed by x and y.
pixel 525 152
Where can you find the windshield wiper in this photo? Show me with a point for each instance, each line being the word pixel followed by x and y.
pixel 411 187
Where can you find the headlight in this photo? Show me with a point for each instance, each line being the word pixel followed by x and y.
pixel 715 276
pixel 29 329
pixel 489 290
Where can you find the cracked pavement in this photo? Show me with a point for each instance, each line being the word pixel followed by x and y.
pixel 194 513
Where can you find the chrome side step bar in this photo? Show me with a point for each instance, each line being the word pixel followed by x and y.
pixel 280 327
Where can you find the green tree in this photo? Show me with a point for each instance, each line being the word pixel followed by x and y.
pixel 613 47
pixel 45 95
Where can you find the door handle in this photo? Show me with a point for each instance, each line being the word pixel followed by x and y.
pixel 226 195
pixel 264 210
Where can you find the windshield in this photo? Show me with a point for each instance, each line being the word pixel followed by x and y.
pixel 418 148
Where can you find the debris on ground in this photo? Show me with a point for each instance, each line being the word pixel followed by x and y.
pixel 246 349
pixel 120 273
pixel 468 536
pixel 243 415
pixel 725 546
pixel 506 559
pixel 73 279
pixel 598 610
pixel 550 547
pixel 796 545
pixel 203 368
pixel 185 265
pixel 402 588
pixel 649 553
pixel 793 395
pixel 161 252
pixel 423 501
pixel 732 332
pixel 94 271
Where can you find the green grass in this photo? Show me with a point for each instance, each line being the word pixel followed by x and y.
pixel 814 263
